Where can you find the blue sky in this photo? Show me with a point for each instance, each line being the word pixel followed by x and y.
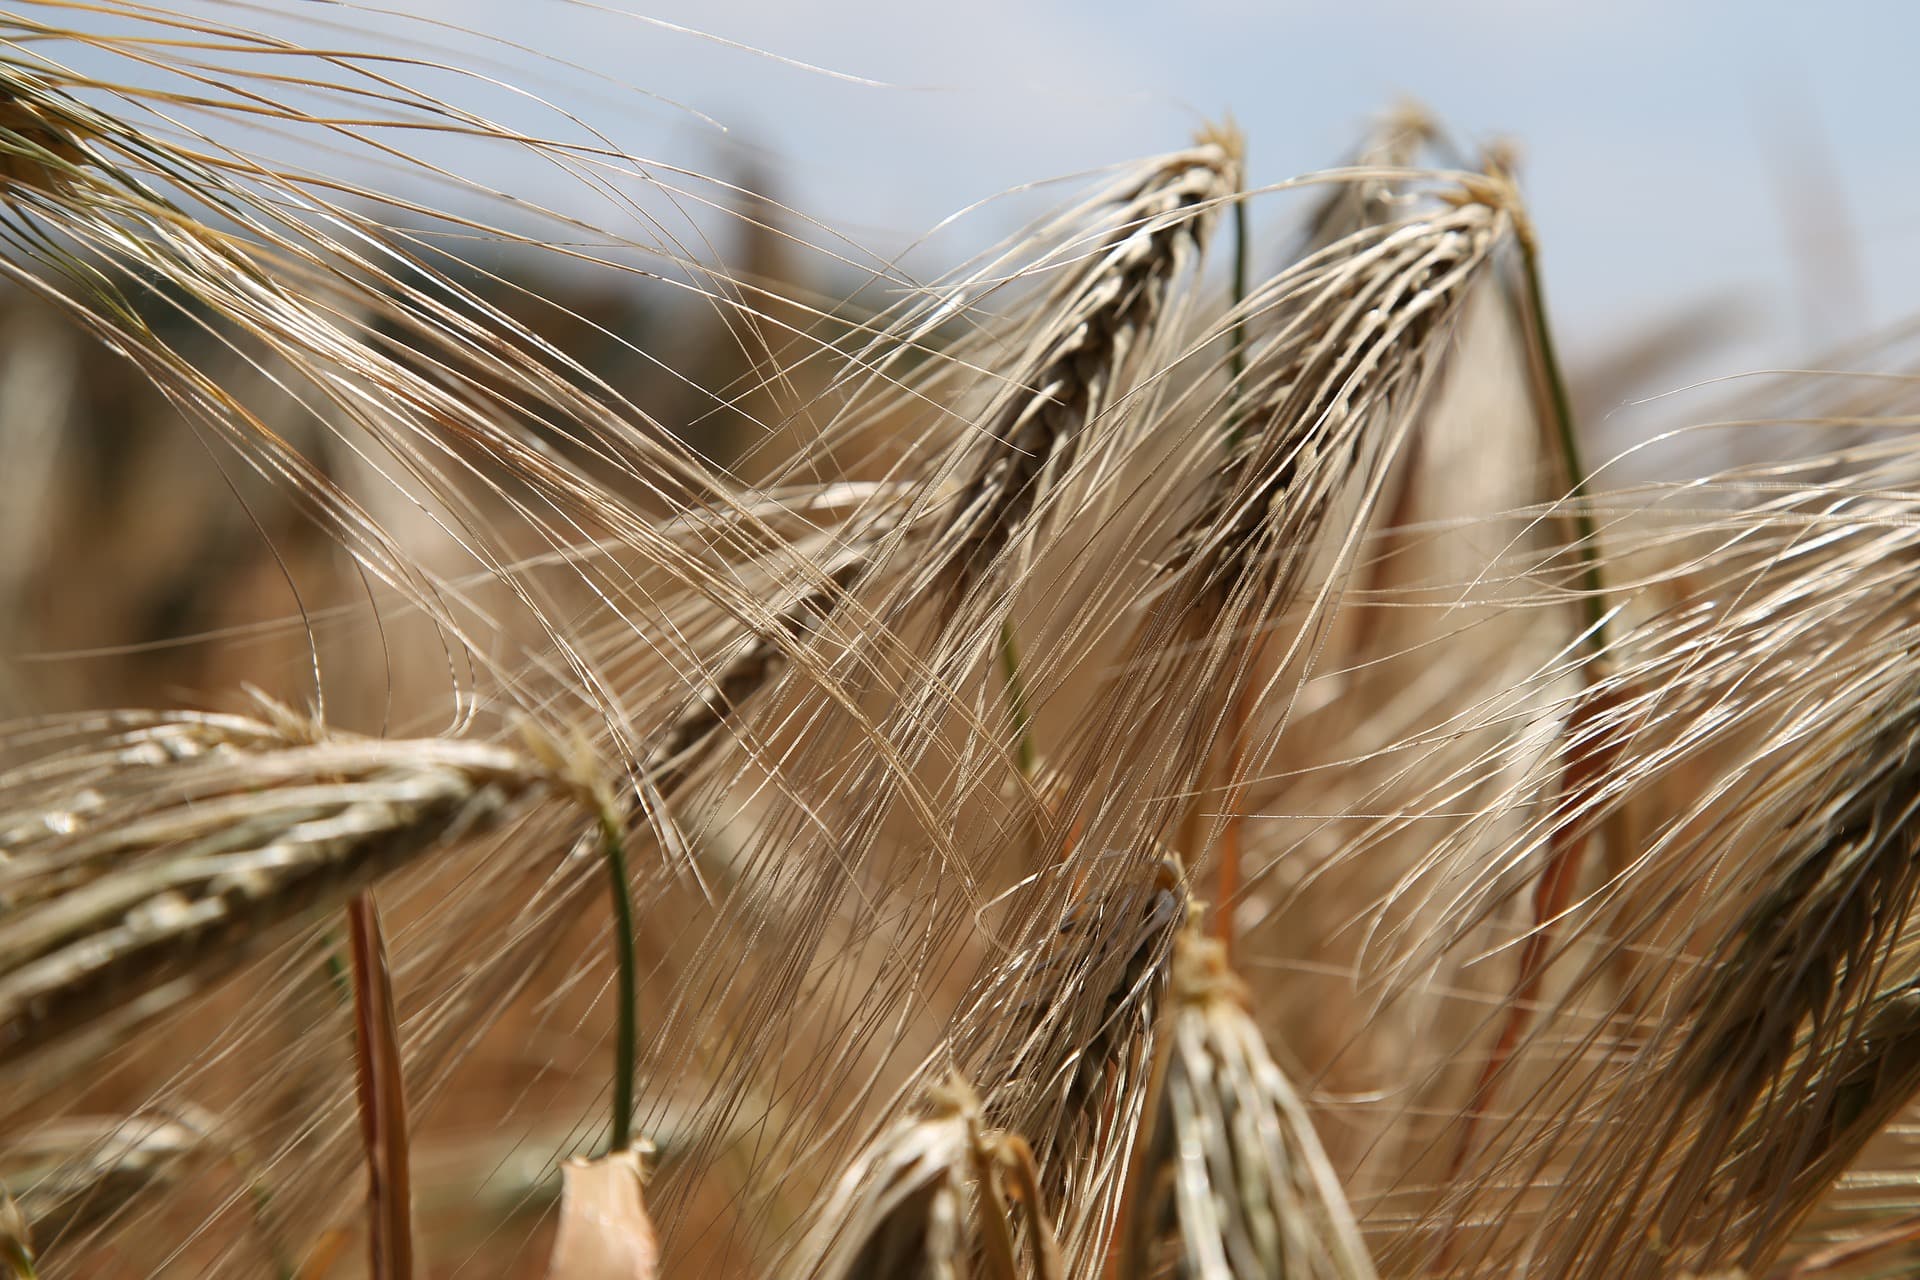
pixel 1760 152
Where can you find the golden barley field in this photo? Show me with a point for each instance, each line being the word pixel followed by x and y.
pixel 684 748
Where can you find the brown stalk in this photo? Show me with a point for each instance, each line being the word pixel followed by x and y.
pixel 1595 752
pixel 383 1098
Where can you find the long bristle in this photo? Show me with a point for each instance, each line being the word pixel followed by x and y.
pixel 783 714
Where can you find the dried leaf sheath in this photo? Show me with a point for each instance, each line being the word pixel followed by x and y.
pixel 1230 1182
pixel 605 1231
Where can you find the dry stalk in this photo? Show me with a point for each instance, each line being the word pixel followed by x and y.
pixel 383 1097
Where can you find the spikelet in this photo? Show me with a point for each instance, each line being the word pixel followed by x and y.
pixel 929 1196
pixel 1787 1060
pixel 1101 321
pixel 155 855
pixel 470 437
pixel 1060 1033
pixel 1394 141
pixel 1230 1182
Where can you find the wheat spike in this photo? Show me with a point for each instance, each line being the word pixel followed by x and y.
pixel 163 853
pixel 1060 1034
pixel 1081 365
pixel 1230 1180
pixel 929 1196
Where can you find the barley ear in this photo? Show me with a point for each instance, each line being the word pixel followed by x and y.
pixel 1229 1178
pixel 210 841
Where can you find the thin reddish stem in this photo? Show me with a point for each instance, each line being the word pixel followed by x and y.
pixel 383 1101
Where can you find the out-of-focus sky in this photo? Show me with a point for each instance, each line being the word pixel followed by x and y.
pixel 1762 152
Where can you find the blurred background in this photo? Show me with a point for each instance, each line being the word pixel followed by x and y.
pixel 1758 152
pixel 1718 188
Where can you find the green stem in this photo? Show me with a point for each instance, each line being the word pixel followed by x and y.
pixel 627 1030
pixel 337 968
pixel 1560 406
pixel 1017 700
